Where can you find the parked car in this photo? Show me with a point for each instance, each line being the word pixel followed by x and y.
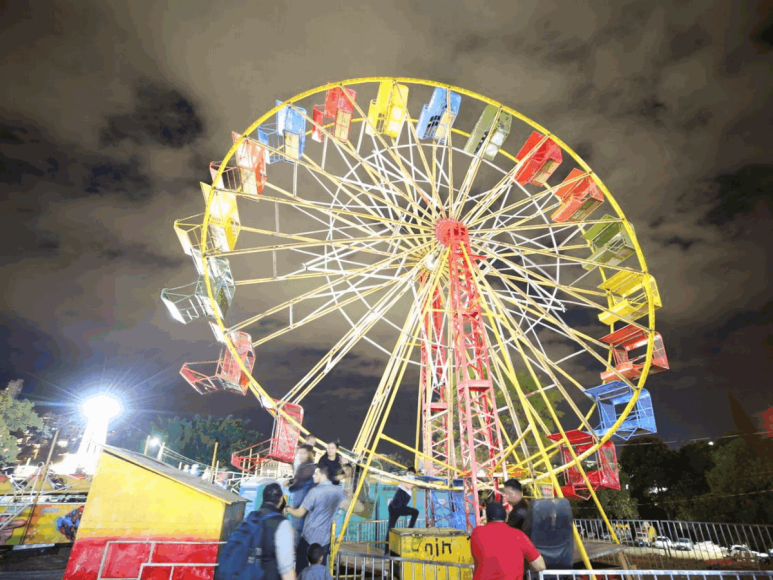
pixel 662 542
pixel 743 552
pixel 711 549
pixel 684 544
pixel 642 541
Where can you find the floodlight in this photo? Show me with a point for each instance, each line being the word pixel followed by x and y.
pixel 101 407
pixel 155 441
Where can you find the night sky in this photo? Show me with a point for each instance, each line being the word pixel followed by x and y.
pixel 110 114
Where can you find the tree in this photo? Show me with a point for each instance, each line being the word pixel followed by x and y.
pixel 652 468
pixel 195 438
pixel 618 505
pixel 16 416
pixel 694 461
pixel 740 483
pixel 529 388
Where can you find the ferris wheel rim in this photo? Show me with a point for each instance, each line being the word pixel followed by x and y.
pixel 254 384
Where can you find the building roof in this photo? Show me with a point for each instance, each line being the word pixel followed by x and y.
pixel 164 470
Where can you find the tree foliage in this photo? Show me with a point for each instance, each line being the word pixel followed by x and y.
pixel 729 482
pixel 648 462
pixel 617 505
pixel 740 483
pixel 16 417
pixel 195 438
pixel 542 409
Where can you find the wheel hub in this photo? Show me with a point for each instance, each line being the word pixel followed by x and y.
pixel 450 230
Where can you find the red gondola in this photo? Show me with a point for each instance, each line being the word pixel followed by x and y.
pixel 628 339
pixel 538 161
pixel 600 467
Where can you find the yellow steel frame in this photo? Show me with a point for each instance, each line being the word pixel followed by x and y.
pixel 373 427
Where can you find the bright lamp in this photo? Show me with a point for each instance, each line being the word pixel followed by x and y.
pixel 101 407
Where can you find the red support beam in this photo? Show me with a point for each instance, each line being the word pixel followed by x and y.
pixel 480 435
pixel 436 411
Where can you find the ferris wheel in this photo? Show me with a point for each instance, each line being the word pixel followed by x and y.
pixel 455 240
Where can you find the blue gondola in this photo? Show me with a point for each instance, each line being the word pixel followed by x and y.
pixel 447 506
pixel 287 135
pixel 438 116
pixel 611 396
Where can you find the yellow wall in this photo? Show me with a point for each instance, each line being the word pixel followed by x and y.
pixel 127 500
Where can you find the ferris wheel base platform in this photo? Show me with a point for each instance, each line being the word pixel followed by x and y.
pixel 369 555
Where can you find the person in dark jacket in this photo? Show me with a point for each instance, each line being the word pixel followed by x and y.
pixel 333 460
pixel 399 505
pixel 274 557
pixel 278 551
pixel 301 483
pixel 513 493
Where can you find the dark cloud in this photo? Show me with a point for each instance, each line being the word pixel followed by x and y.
pixel 25 347
pixel 12 170
pixel 700 119
pixel 160 115
pixel 763 34
pixel 762 318
pixel 585 150
pixel 470 43
pixel 117 178
pixel 688 42
pixel 652 108
pixel 30 157
pixel 741 194
pixel 569 51
pixel 141 255
pixel 682 243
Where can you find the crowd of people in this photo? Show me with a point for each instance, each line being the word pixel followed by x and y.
pixel 268 546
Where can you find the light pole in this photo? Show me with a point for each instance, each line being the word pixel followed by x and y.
pixel 98 410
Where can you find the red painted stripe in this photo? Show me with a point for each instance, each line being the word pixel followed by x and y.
pixel 124 560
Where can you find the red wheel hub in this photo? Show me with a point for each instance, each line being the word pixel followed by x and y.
pixel 448 231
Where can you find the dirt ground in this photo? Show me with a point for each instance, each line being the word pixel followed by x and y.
pixel 43 564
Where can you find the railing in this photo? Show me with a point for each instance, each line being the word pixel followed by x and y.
pixel 705 545
pixel 671 544
pixel 357 567
pixel 131 560
pixel 653 575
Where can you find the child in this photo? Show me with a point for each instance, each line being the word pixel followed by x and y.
pixel 316 570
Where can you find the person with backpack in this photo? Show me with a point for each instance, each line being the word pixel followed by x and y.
pixel 262 547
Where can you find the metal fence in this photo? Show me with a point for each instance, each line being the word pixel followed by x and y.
pixel 654 575
pixel 649 544
pixel 669 544
pixel 359 567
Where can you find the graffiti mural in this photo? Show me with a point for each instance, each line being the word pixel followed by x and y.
pixel 49 524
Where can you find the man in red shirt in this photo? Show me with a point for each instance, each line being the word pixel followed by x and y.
pixel 499 550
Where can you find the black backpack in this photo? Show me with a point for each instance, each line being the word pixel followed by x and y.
pixel 240 558
pixel 549 526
